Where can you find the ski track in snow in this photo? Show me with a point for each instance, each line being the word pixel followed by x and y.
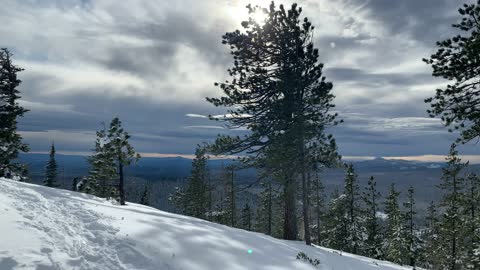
pixel 80 233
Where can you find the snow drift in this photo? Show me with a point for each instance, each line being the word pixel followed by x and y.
pixel 43 228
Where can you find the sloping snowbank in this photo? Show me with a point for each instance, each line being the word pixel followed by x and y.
pixel 43 228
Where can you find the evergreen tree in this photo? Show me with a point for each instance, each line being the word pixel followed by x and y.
pixel 264 220
pixel 122 152
pixel 75 184
pixel 230 196
pixel 51 170
pixel 196 192
pixel 246 217
pixel 336 227
pixel 278 93
pixel 452 222
pixel 412 238
pixel 102 168
pixel 112 153
pixel 374 240
pixel 355 227
pixel 145 200
pixel 472 217
pixel 430 238
pixel 10 110
pixel 318 201
pixel 457 60
pixel 395 243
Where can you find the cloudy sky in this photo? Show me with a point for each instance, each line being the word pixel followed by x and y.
pixel 153 62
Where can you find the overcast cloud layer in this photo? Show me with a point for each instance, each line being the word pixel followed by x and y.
pixel 152 63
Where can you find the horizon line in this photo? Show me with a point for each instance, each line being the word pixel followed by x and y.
pixel 473 159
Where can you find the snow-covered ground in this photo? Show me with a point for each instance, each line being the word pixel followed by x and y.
pixel 46 229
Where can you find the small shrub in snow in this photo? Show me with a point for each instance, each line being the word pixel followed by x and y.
pixel 302 256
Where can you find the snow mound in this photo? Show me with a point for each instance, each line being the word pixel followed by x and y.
pixel 51 229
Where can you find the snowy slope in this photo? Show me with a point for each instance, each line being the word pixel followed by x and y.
pixel 43 228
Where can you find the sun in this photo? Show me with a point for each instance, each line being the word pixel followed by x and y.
pixel 237 11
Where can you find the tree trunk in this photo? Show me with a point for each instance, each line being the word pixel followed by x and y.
pixel 121 186
pixel 290 222
pixel 232 198
pixel 306 220
pixel 269 209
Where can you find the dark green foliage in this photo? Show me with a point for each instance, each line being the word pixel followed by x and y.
pixel 458 60
pixel 355 229
pixel 122 152
pixel 145 200
pixel 230 201
pixel 472 221
pixel 246 217
pixel 318 205
pixel 395 242
pixel 102 172
pixel 451 225
pixel 278 93
pixel 193 199
pixel 75 183
pixel 302 256
pixel 412 238
pixel 374 240
pixel 112 153
pixel 51 170
pixel 430 237
pixel 10 110
pixel 335 230
pixel 264 217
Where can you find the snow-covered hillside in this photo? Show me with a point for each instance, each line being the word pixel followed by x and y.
pixel 43 228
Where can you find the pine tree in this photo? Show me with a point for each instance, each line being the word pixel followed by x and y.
pixel 51 170
pixel 112 153
pixel 318 201
pixel 122 152
pixel 145 200
pixel 395 243
pixel 264 220
pixel 336 227
pixel 75 184
pixel 10 110
pixel 246 217
pixel 412 238
pixel 196 192
pixel 102 168
pixel 353 211
pixel 472 217
pixel 430 238
pixel 374 240
pixel 230 196
pixel 452 222
pixel 278 92
pixel 457 60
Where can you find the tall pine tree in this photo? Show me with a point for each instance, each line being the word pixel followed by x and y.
pixel 472 221
pixel 395 243
pixel 458 61
pixel 412 238
pixel 353 211
pixel 374 240
pixel 452 222
pixel 10 140
pixel 122 152
pixel 51 170
pixel 102 168
pixel 279 94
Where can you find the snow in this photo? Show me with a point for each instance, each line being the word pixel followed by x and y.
pixel 44 228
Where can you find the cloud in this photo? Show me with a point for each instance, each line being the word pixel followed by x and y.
pixel 152 63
